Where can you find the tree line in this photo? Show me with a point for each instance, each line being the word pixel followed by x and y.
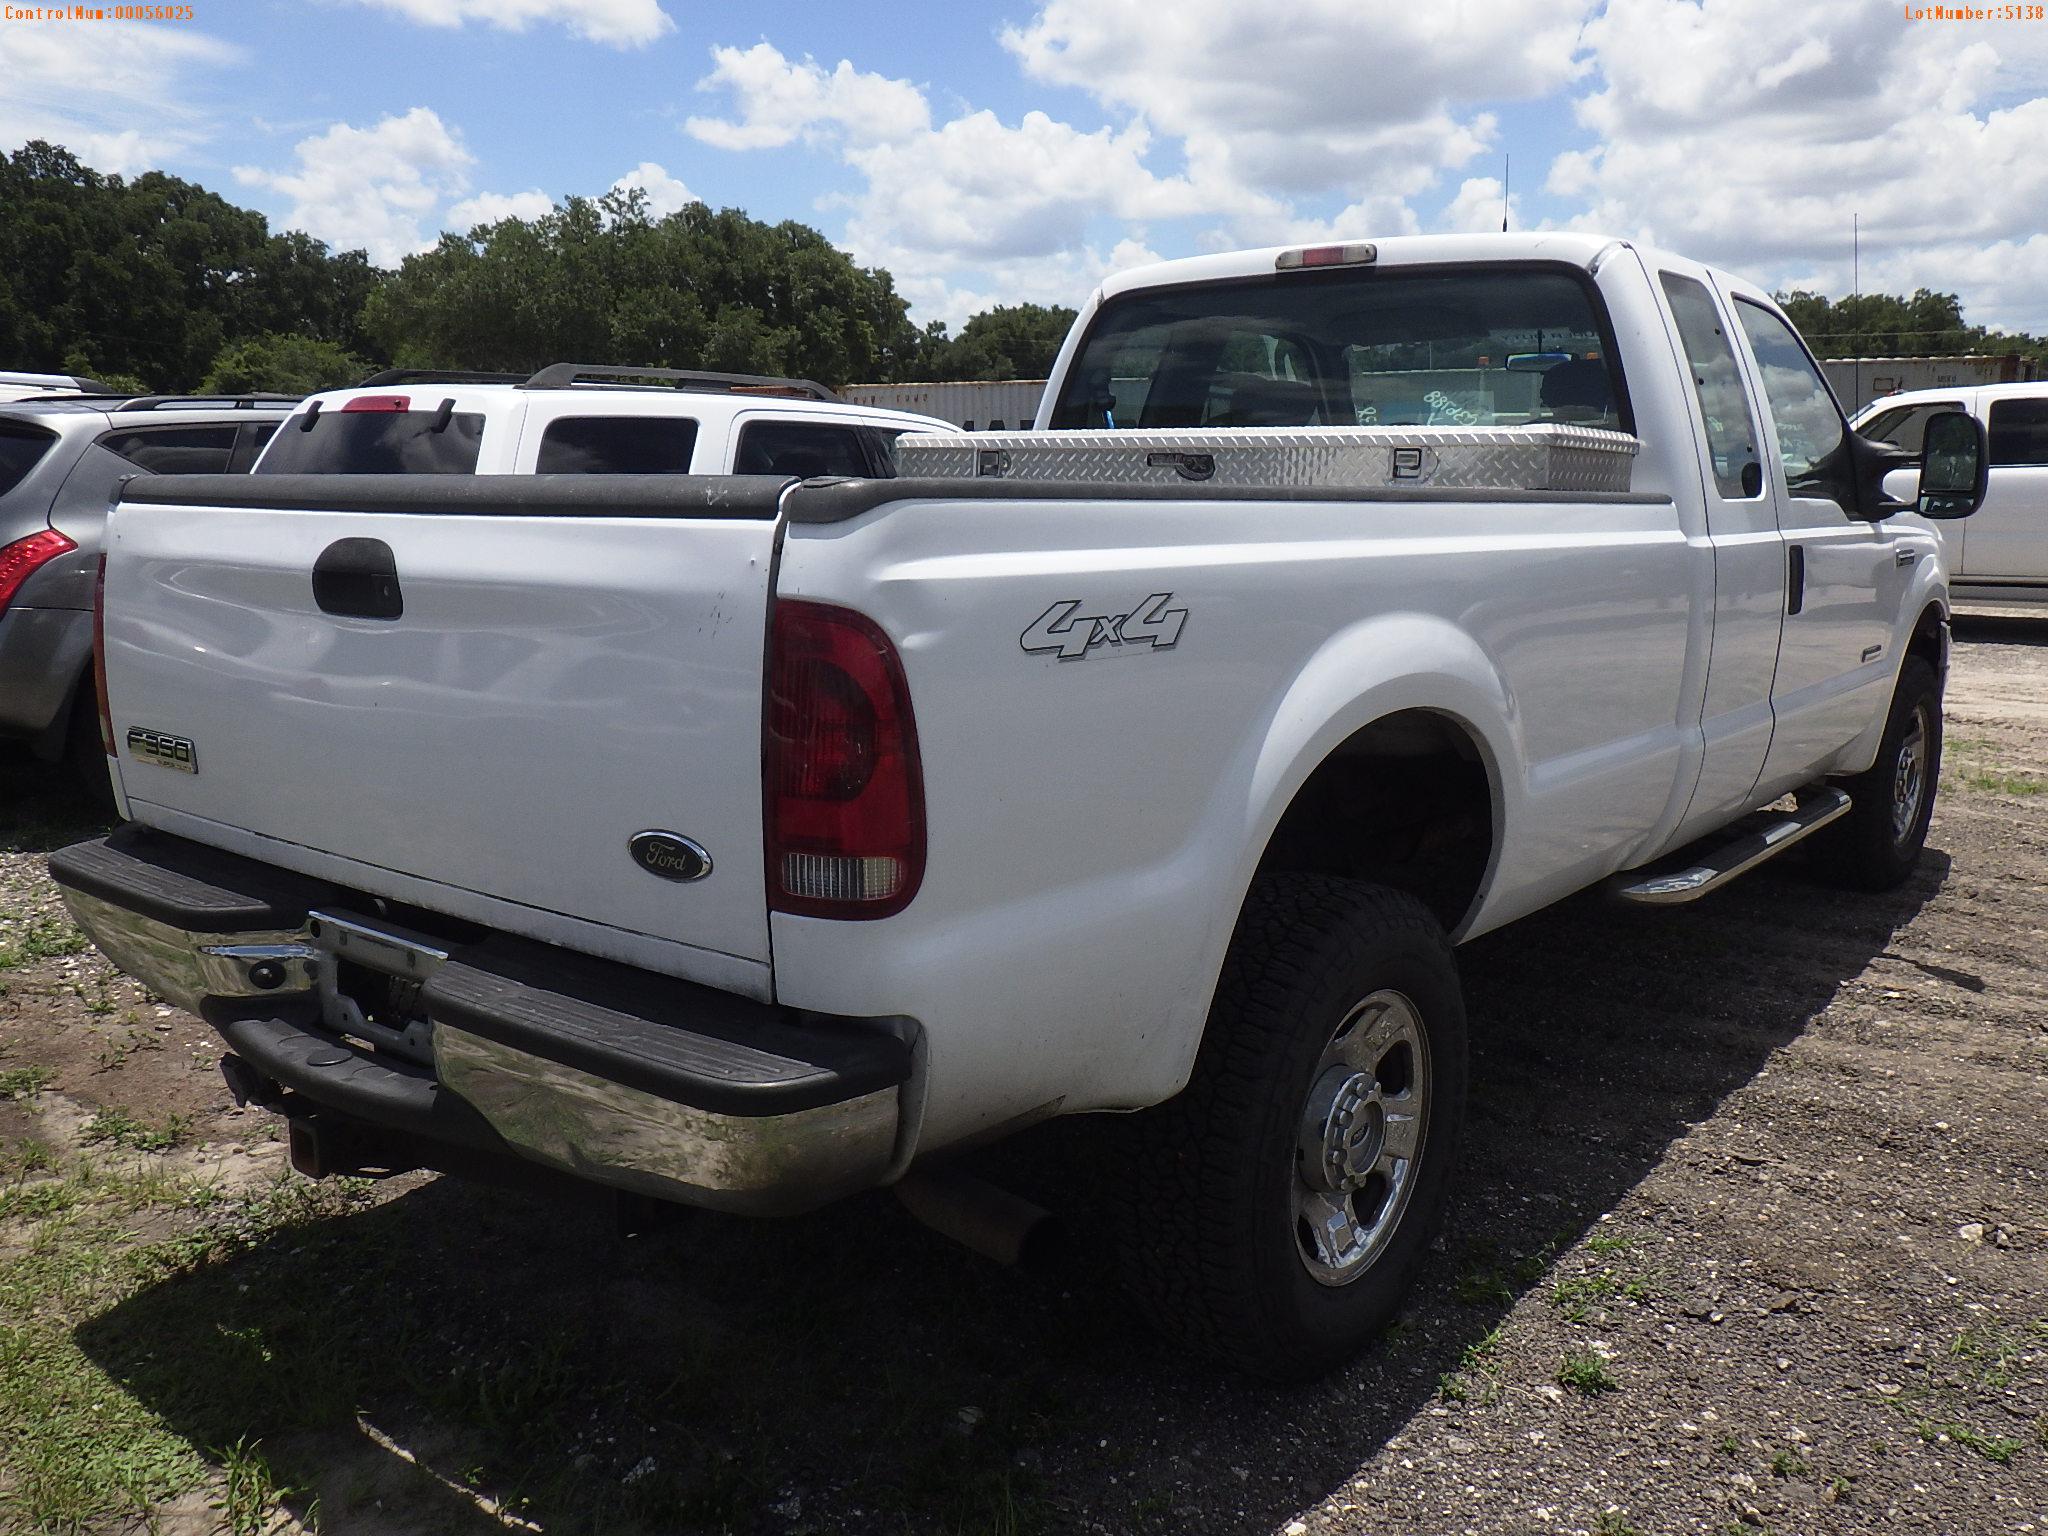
pixel 156 283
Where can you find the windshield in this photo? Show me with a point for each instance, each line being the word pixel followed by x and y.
pixel 1442 347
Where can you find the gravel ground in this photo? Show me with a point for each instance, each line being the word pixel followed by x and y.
pixel 1753 1235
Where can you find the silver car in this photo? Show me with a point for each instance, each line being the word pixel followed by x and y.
pixel 61 462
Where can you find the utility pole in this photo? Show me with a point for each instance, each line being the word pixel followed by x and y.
pixel 1506 161
pixel 1855 291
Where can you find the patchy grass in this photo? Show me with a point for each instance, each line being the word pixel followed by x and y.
pixel 1998 1448
pixel 1584 1371
pixel 25 1082
pixel 40 938
pixel 1789 1464
pixel 1969 763
pixel 124 1130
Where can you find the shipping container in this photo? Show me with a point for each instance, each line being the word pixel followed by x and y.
pixel 976 405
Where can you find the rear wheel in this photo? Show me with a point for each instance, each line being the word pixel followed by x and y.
pixel 1281 1204
pixel 86 768
pixel 1877 844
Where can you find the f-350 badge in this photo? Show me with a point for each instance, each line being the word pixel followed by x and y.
pixel 1073 634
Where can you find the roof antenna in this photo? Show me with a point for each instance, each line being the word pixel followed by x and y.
pixel 1506 160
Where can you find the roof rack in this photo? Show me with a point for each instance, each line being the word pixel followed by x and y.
pixel 55 381
pixel 237 402
pixel 559 375
pixel 438 376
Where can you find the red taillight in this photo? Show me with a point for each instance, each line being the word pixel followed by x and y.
pixel 99 656
pixel 21 560
pixel 379 403
pixel 844 789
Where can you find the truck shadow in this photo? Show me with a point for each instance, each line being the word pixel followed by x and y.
pixel 454 1358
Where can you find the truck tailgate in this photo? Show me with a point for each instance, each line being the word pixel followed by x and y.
pixel 572 665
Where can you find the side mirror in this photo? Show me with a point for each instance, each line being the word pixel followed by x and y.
pixel 1955 466
pixel 1871 461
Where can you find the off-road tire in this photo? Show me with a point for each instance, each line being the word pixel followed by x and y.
pixel 1866 850
pixel 1208 1234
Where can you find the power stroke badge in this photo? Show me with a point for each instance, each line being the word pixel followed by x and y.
pixel 1065 629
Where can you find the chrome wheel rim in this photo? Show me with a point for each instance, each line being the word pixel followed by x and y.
pixel 1361 1137
pixel 1909 779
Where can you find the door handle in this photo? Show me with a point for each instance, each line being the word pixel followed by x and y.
pixel 1795 579
pixel 358 579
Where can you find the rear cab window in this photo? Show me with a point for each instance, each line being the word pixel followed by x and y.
pixel 377 435
pixel 1464 346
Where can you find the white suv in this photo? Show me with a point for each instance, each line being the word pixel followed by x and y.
pixel 577 419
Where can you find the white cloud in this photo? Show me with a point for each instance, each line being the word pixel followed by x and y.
pixel 88 87
pixel 1315 97
pixel 1477 209
pixel 778 100
pixel 490 207
pixel 373 188
pixel 973 211
pixel 1916 131
pixel 621 23
pixel 665 194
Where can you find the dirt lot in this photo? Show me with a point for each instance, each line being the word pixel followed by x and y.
pixel 1753 1235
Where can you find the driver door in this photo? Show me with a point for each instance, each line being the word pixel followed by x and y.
pixel 1842 580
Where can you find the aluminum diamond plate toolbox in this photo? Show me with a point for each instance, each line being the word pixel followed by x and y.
pixel 1545 457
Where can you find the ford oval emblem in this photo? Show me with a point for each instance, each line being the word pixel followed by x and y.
pixel 669 855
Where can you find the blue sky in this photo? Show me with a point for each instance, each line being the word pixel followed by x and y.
pixel 1018 149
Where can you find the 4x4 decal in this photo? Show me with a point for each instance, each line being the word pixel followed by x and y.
pixel 1073 634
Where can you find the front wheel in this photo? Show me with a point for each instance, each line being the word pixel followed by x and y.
pixel 1281 1204
pixel 1877 844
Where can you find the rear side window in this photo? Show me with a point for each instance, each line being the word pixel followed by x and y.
pixel 174 450
pixel 343 442
pixel 1906 426
pixel 1442 347
pixel 1717 381
pixel 21 448
pixel 617 445
pixel 799 448
pixel 2019 432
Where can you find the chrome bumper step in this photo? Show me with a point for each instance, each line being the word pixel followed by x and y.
pixel 1735 850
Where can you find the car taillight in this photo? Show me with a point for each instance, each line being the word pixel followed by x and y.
pixel 21 560
pixel 843 785
pixel 379 403
pixel 99 656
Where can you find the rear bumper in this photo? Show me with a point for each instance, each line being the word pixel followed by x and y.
pixel 595 1069
pixel 44 654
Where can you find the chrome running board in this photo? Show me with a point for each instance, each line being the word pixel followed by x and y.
pixel 1735 850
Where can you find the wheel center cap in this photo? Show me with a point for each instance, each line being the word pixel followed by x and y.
pixel 1347 1131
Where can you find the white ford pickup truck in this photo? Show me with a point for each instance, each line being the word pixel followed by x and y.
pixel 745 841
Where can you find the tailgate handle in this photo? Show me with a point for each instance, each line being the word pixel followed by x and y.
pixel 358 579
